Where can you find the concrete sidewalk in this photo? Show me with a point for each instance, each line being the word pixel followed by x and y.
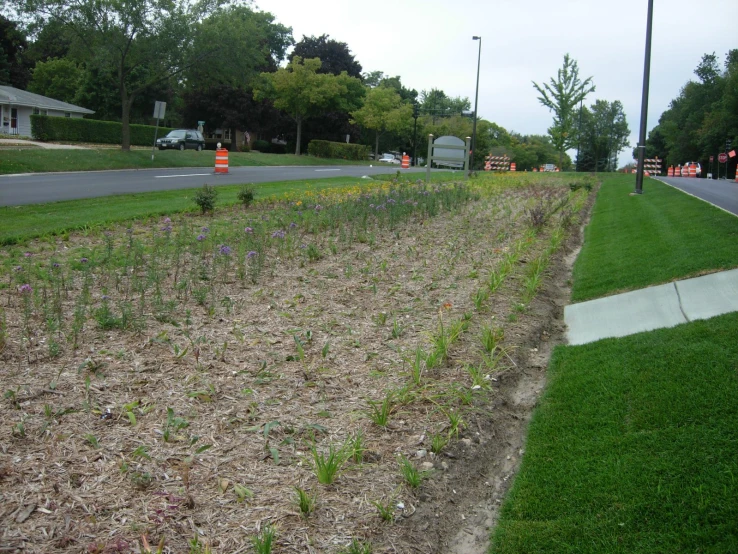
pixel 45 145
pixel 652 308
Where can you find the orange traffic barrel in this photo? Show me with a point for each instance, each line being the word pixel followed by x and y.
pixel 487 165
pixel 405 161
pixel 678 171
pixel 535 169
pixel 693 170
pixel 513 167
pixel 221 160
pixel 670 171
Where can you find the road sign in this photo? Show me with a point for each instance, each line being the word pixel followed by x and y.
pixel 160 109
pixel 722 158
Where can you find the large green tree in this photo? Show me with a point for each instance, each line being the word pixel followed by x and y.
pixel 302 92
pixel 702 117
pixel 14 70
pixel 335 56
pixel 383 111
pixel 562 95
pixel 221 91
pixel 604 134
pixel 56 78
pixel 145 41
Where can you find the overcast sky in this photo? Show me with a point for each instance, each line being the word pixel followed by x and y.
pixel 428 43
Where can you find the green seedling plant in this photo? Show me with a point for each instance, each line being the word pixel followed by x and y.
pixel 491 338
pixel 356 447
pixel 264 540
pixel 379 412
pixel 305 502
pixel 327 465
pixel 416 366
pixel 242 493
pixel 172 425
pixel 397 329
pixel 410 473
pixel 438 442
pixel 386 510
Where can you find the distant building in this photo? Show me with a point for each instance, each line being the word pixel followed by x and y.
pixel 17 106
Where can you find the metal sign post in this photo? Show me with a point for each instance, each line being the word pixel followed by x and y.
pixel 159 109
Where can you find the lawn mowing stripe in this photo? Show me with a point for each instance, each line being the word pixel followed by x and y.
pixel 636 241
pixel 634 448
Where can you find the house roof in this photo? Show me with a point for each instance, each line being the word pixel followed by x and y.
pixel 18 97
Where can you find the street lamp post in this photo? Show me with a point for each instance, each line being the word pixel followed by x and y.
pixel 644 101
pixel 476 103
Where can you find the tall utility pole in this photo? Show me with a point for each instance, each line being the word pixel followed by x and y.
pixel 644 101
pixel 476 103
pixel 579 132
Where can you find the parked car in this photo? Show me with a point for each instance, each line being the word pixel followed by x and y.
pixel 685 169
pixel 389 159
pixel 181 139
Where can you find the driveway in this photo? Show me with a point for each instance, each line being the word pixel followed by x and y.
pixel 46 145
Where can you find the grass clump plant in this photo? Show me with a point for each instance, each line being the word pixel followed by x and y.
pixel 205 198
pixel 264 541
pixel 328 464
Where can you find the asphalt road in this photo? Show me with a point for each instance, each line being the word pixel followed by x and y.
pixel 37 188
pixel 723 194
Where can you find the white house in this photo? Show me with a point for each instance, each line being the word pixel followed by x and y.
pixel 16 107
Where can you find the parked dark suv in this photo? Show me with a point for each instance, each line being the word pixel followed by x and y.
pixel 181 139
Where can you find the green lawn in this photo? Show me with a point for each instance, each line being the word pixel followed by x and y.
pixel 39 160
pixel 633 448
pixel 636 241
pixel 634 445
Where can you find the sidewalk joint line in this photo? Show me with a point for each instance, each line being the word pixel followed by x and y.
pixel 679 297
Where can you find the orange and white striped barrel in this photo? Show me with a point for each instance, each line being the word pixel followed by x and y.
pixel 678 171
pixel 693 170
pixel 405 161
pixel 513 167
pixel 221 160
pixel 670 171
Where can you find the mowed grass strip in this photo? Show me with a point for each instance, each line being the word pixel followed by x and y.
pixel 19 224
pixel 636 241
pixel 40 161
pixel 633 449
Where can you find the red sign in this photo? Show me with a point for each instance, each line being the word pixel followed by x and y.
pixel 723 157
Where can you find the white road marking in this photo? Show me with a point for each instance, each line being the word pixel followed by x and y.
pixel 188 175
pixel 327 170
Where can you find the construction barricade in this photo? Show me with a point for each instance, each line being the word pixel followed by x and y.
pixel 496 163
pixel 652 166
pixel 693 171
pixel 221 161
pixel 405 164
pixel 513 167
pixel 670 171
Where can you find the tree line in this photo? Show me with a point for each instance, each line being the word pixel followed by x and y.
pixel 224 63
pixel 702 118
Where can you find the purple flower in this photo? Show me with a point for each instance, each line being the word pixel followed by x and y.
pixel 251 254
pixel 391 201
pixel 105 297
pixel 225 250
pixel 166 228
pixel 84 261
pixel 278 234
pixel 318 207
pixel 293 225
pixel 55 265
pixel 299 212
pixel 248 230
pixel 201 237
pixel 167 220
pixel 205 230
pixel 25 289
pixel 18 268
pixel 27 255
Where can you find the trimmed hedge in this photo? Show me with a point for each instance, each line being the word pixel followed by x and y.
pixel 48 128
pixel 338 150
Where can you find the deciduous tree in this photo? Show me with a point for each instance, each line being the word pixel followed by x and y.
pixel 562 96
pixel 302 92
pixel 383 111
